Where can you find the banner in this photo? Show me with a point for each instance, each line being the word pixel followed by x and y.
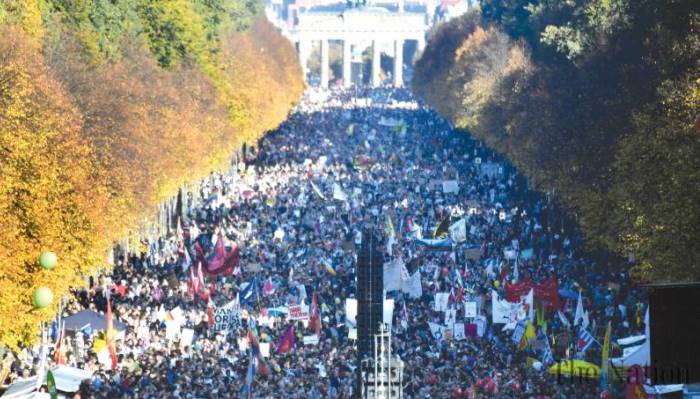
pixel 450 317
pixel 392 275
pixel 413 287
pixel 441 301
pixel 351 311
pixel 458 332
pixel 441 244
pixel 450 186
pixel 388 311
pixel 298 312
pixel 338 193
pixel 545 292
pixel 470 309
pixel 502 311
pixel 227 317
pixel 311 339
pixel 458 231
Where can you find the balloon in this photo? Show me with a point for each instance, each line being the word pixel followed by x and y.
pixel 445 271
pixel 48 260
pixel 457 393
pixel 42 297
pixel 537 366
pixel 496 283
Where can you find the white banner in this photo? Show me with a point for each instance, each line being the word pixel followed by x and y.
pixel 392 275
pixel 441 300
pixel 351 311
pixel 450 186
pixel 311 339
pixel 227 317
pixel 413 287
pixel 470 309
pixel 265 349
pixel 458 231
pixel 338 193
pixel 450 317
pixel 388 313
pixel 458 331
pixel 298 312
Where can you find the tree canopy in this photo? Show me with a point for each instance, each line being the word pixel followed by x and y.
pixel 591 99
pixel 106 108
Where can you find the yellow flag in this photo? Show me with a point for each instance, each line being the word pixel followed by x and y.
pixel 528 336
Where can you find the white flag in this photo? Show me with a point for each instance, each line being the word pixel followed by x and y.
pixel 338 193
pixel 458 231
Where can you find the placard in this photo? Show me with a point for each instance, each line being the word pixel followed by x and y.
pixel 298 312
pixel 311 339
pixel 227 317
pixel 470 309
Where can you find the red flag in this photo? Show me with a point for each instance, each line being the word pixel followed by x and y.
pixel 268 289
pixel 58 354
pixel 287 342
pixel 210 313
pixel 315 321
pixel 108 335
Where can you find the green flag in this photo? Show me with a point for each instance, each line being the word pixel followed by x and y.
pixel 51 385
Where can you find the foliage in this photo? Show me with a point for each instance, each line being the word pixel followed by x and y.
pixel 581 96
pixel 106 108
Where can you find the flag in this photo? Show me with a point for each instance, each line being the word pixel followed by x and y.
pixel 109 335
pixel 187 261
pixel 547 358
pixel 604 359
pixel 338 193
pixel 528 336
pixel 249 294
pixel 404 317
pixel 443 229
pixel 246 391
pixel 210 313
pixel 288 341
pixel 328 265
pixel 585 340
pixel 579 315
pixel 315 320
pixel 458 231
pixel 268 288
pixel 59 352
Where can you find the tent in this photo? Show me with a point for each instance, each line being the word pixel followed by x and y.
pixel 94 320
pixel 67 379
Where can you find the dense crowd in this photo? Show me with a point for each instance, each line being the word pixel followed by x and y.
pixel 386 154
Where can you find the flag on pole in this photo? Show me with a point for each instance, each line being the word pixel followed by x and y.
pixel 404 317
pixel 210 313
pixel 443 229
pixel 315 321
pixel 604 359
pixel 585 340
pixel 579 315
pixel 328 265
pixel 109 335
pixel 59 354
pixel 268 289
pixel 287 342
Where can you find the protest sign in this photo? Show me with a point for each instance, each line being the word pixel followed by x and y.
pixel 310 339
pixel 298 312
pixel 227 317
pixel 441 300
pixel 470 309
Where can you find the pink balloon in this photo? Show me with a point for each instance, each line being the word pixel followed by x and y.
pixel 457 393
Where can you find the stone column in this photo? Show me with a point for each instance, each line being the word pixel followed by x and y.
pixel 324 63
pixel 304 53
pixel 347 63
pixel 376 64
pixel 398 63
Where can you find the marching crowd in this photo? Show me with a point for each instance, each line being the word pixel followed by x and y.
pixel 292 214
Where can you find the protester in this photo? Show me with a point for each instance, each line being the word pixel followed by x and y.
pixel 285 225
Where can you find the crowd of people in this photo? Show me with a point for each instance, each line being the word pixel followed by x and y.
pixel 292 213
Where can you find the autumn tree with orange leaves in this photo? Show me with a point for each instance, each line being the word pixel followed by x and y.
pixel 103 115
